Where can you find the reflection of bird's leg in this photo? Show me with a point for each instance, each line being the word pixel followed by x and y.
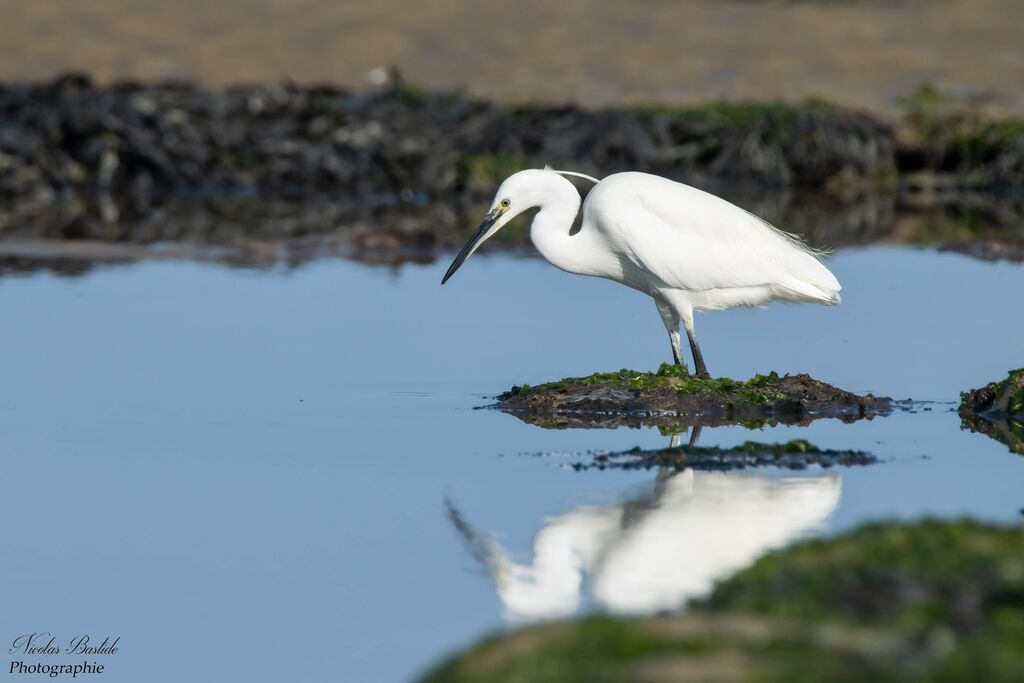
pixel 694 435
pixel 675 440
pixel 698 359
pixel 671 320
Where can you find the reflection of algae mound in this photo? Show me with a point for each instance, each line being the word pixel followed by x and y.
pixel 671 397
pixel 797 454
pixel 924 602
pixel 997 410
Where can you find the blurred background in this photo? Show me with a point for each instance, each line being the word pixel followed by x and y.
pixel 862 53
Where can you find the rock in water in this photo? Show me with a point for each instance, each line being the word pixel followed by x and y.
pixel 669 397
pixel 997 410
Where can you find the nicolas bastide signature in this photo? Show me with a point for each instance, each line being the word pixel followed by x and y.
pixel 48 644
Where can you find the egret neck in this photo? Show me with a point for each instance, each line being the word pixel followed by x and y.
pixel 551 230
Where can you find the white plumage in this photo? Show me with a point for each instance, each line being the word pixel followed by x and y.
pixel 687 249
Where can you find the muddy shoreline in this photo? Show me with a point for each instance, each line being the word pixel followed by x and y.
pixel 139 162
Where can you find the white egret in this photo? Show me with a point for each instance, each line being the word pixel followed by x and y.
pixel 688 249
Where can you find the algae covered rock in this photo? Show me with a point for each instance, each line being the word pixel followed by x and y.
pixel 926 601
pixel 671 397
pixel 958 575
pixel 997 410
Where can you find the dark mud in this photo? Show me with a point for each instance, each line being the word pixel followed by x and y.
pixel 997 410
pixel 82 161
pixel 292 138
pixel 93 154
pixel 670 399
pixel 793 455
pixel 1010 248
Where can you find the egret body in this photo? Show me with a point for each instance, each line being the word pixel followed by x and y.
pixel 687 249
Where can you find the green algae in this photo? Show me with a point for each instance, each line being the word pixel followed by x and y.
pixel 954 135
pixel 929 602
pixel 672 398
pixel 929 110
pixel 792 446
pixel 494 167
pixel 729 113
pixel 978 145
pixel 665 649
pixel 997 410
pixel 913 576
pixel 624 378
pixel 755 391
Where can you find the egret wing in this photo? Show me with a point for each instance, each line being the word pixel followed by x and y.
pixel 693 240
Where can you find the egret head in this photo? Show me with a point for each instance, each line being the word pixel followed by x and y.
pixel 520 192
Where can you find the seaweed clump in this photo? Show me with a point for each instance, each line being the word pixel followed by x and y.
pixel 950 136
pixel 928 601
pixel 997 410
pixel 671 397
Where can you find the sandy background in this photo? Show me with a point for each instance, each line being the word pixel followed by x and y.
pixel 861 52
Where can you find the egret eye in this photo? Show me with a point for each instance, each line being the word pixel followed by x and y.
pixel 505 203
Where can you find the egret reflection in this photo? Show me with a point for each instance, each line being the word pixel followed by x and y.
pixel 654 551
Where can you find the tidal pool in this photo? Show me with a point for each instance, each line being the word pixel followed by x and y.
pixel 250 475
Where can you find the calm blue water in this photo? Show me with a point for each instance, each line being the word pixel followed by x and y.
pixel 243 474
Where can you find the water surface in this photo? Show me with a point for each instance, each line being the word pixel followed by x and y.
pixel 244 473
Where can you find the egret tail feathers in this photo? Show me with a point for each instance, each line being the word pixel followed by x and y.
pixel 811 281
pixel 799 290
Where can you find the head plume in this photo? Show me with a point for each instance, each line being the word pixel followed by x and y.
pixel 573 173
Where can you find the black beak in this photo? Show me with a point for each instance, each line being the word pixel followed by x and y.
pixel 488 221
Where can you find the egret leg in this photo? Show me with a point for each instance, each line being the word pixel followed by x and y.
pixel 671 320
pixel 698 359
pixel 677 349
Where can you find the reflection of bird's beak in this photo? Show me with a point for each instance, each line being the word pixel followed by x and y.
pixel 475 241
